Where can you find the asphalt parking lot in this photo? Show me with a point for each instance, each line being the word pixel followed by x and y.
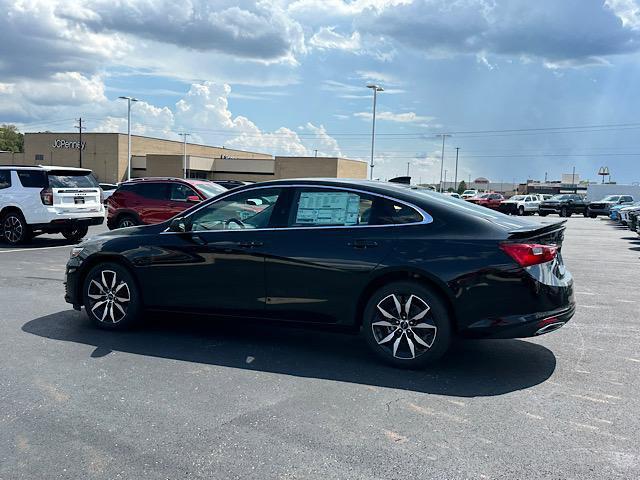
pixel 194 398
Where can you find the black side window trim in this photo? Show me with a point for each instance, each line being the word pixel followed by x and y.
pixel 426 217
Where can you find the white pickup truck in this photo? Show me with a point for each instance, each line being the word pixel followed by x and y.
pixel 521 204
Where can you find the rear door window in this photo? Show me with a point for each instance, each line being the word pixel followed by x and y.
pixel 153 191
pixel 33 178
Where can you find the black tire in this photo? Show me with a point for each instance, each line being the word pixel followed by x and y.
pixel 592 215
pixel 434 335
pixel 111 302
pixel 585 214
pixel 543 214
pixel 14 229
pixel 75 233
pixel 521 211
pixel 125 221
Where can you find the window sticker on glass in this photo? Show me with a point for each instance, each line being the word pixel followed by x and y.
pixel 328 208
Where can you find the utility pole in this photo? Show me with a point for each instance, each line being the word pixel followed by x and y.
pixel 456 177
pixel 375 89
pixel 444 136
pixel 573 180
pixel 184 154
pixel 80 128
pixel 445 181
pixel 316 152
pixel 408 163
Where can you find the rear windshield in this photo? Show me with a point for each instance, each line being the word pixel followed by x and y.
pixel 611 198
pixel 71 179
pixel 517 197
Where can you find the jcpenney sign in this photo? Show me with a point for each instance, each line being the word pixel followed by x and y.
pixel 59 143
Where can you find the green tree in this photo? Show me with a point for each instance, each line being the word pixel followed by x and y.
pixel 11 139
pixel 462 186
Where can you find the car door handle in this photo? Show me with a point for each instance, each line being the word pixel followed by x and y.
pixel 362 244
pixel 250 244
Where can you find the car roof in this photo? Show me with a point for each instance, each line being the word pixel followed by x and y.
pixel 46 168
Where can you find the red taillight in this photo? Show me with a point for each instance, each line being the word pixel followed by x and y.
pixel 46 195
pixel 527 254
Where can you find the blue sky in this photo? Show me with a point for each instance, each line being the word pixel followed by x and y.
pixel 507 77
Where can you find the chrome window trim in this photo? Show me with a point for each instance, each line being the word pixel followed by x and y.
pixel 426 218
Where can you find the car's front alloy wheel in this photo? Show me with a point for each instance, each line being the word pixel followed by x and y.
pixel 111 297
pixel 407 325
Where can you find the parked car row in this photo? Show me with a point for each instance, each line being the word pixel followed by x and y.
pixel 627 215
pixel 49 199
pixel 564 205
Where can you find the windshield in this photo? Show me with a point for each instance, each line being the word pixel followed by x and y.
pixel 210 189
pixel 469 192
pixel 611 198
pixel 517 197
pixel 560 197
pixel 71 179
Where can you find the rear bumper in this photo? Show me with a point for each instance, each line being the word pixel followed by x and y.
pixel 66 223
pixel 521 326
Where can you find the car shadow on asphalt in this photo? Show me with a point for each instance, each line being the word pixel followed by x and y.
pixel 472 368
pixel 39 242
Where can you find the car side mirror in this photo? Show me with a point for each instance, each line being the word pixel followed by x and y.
pixel 193 199
pixel 179 224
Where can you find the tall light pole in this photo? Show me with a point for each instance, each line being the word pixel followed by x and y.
pixel 184 153
pixel 375 89
pixel 445 180
pixel 455 181
pixel 408 163
pixel 129 100
pixel 444 136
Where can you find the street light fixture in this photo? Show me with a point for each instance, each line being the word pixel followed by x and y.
pixel 444 136
pixel 376 89
pixel 129 100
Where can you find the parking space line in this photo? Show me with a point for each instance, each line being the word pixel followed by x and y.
pixel 34 249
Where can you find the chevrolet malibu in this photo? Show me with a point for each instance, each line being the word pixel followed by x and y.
pixel 410 269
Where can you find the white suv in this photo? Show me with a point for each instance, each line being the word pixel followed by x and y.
pixel 35 200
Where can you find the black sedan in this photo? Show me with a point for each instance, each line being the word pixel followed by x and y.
pixel 564 205
pixel 410 268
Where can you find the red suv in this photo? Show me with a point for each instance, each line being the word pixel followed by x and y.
pixel 489 200
pixel 154 200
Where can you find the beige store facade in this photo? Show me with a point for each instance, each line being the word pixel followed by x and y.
pixel 106 155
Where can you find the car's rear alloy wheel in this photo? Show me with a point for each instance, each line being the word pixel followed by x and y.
pixel 15 229
pixel 111 297
pixel 127 221
pixel 521 210
pixel 407 325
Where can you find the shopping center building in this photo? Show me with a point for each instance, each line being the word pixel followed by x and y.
pixel 106 155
